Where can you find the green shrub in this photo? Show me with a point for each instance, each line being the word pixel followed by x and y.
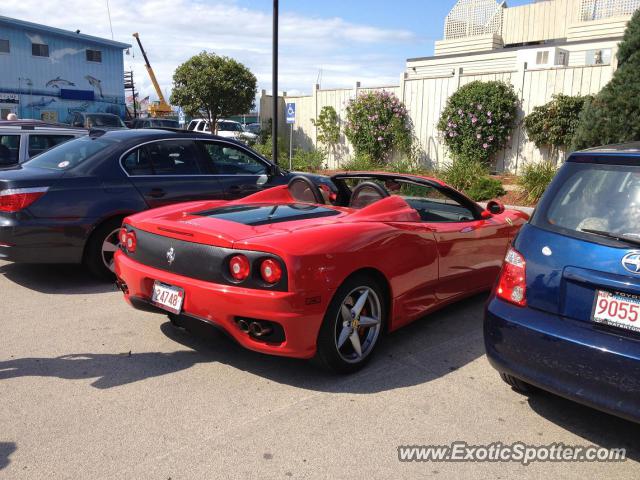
pixel 613 116
pixel 265 149
pixel 535 179
pixel 308 161
pixel 554 124
pixel 328 126
pixel 409 166
pixel 378 124
pixel 361 163
pixel 478 119
pixel 485 188
pixel 472 177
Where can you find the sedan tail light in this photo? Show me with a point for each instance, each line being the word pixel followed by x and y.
pixel 270 271
pixel 16 199
pixel 512 285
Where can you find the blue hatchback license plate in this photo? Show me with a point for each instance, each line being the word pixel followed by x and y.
pixel 617 309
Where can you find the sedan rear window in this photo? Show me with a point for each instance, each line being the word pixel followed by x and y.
pixel 70 154
pixel 598 202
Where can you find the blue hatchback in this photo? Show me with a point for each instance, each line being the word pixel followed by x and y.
pixel 565 313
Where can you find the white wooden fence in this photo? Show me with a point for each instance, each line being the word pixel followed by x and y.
pixel 425 99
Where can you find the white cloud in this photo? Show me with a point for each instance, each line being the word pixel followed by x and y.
pixel 174 30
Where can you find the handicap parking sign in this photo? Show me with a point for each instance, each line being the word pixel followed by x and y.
pixel 291 113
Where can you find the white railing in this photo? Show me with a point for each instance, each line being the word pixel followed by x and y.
pixel 601 9
pixel 469 18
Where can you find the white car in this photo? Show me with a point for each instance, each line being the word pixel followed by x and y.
pixel 22 139
pixel 226 129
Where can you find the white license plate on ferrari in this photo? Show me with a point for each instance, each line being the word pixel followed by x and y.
pixel 617 310
pixel 167 297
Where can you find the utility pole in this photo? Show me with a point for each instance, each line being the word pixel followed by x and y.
pixel 274 96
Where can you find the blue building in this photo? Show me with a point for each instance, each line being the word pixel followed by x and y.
pixel 46 72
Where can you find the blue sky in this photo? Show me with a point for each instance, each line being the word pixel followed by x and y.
pixel 361 40
pixel 423 17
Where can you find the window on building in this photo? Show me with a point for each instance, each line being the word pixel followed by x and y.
pixel 598 57
pixel 4 46
pixel 542 58
pixel 562 58
pixel 94 56
pixel 39 50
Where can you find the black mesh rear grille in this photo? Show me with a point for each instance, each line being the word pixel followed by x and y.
pixel 199 261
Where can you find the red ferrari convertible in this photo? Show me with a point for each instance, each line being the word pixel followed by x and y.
pixel 315 271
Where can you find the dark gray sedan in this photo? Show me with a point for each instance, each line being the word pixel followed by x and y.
pixel 66 205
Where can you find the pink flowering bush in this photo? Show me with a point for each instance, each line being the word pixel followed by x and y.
pixel 478 119
pixel 377 125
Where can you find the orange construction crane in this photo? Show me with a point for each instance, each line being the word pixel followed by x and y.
pixel 162 109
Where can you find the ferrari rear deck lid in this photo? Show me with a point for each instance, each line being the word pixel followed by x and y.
pixel 255 215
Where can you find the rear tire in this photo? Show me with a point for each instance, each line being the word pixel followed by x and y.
pixel 516 384
pixel 348 337
pixel 101 247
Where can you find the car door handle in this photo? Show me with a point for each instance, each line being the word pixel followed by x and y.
pixel 235 188
pixel 157 193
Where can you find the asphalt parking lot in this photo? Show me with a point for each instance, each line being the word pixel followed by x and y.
pixel 91 389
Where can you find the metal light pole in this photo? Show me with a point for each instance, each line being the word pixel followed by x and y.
pixel 274 96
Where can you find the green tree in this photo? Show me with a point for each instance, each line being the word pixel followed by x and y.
pixel 613 116
pixel 213 87
pixel 554 124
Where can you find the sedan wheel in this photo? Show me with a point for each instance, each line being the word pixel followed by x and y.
pixel 352 326
pixel 101 249
pixel 109 248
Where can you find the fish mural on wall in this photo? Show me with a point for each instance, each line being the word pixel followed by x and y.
pixel 80 108
pixel 95 83
pixel 59 82
pixel 41 103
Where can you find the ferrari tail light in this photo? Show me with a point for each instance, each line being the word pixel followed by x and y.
pixel 130 241
pixel 270 271
pixel 512 285
pixel 16 199
pixel 239 267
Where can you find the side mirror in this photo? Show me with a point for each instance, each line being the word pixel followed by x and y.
pixel 273 170
pixel 495 207
pixel 262 179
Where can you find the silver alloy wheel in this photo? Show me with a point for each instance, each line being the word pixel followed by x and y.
pixel 108 250
pixel 358 324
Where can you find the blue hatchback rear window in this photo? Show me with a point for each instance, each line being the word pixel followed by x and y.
pixel 255 215
pixel 595 201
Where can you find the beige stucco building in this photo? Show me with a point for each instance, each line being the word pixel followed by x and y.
pixel 542 48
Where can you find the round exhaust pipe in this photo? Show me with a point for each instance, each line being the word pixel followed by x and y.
pixel 257 330
pixel 243 325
